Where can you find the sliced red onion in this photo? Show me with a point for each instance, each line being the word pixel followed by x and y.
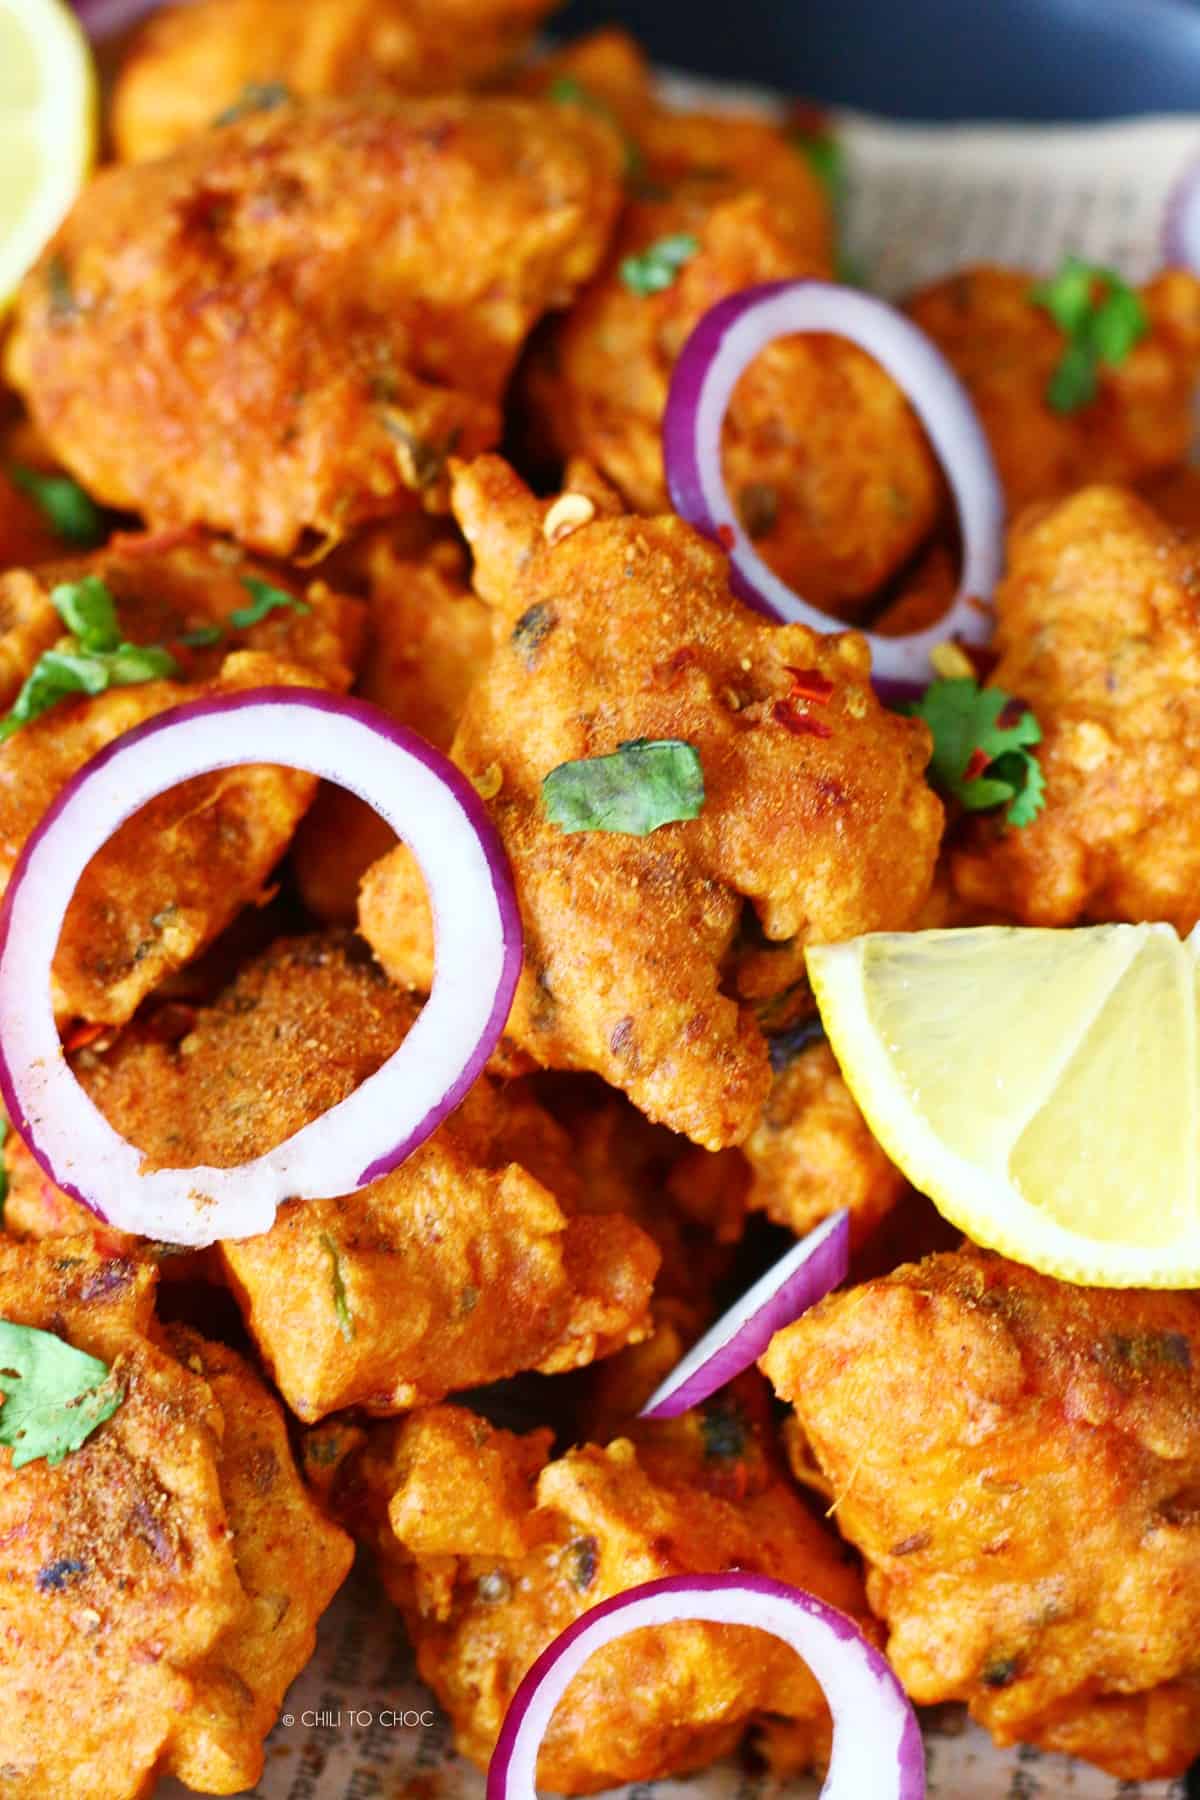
pixel 1181 227
pixel 425 800
pixel 715 357
pixel 797 1281
pixel 877 1749
pixel 108 18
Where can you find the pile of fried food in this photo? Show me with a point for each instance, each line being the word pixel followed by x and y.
pixel 259 384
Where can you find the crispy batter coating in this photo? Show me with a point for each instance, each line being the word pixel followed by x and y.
pixel 1005 349
pixel 1175 497
pixel 625 628
pixel 1018 1461
pixel 190 64
pixel 428 637
pixel 161 1585
pixel 1098 629
pixel 812 1151
pixel 26 535
pixel 828 465
pixel 458 1269
pixel 170 879
pixel 490 1549
pixel 286 325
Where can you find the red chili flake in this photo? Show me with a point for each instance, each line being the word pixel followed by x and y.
pixel 809 119
pixel 976 764
pixel 981 658
pixel 726 536
pixel 810 684
pixel 800 724
pixel 80 1035
pixel 667 673
pixel 1011 714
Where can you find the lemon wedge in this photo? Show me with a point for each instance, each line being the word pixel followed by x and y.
pixel 47 128
pixel 1041 1087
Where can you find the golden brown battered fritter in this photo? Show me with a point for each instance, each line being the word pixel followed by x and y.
pixel 459 1268
pixel 1098 629
pixel 190 64
pixel 160 1587
pixel 812 1151
pixel 829 467
pixel 1006 350
pixel 491 1549
pixel 285 326
pixel 1019 1462
pixel 428 637
pixel 816 816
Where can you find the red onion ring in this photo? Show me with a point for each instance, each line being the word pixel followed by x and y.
pixel 424 799
pixel 1181 225
pixel 797 1281
pixel 716 355
pixel 877 1749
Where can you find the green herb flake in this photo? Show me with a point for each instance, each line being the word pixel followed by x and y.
pixel 341 1303
pixel 1102 319
pixel 264 600
pixel 654 269
pixel 63 304
pixel 91 660
pixel 823 152
pixel 255 97
pixel 565 90
pixel 55 1395
pixel 203 638
pixel 983 748
pixel 644 784
pixel 72 513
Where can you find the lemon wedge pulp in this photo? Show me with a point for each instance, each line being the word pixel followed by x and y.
pixel 47 128
pixel 1041 1087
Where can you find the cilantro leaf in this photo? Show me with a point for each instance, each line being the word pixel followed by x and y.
pixel 54 1395
pixel 255 97
pixel 983 748
pixel 88 611
pixel 823 152
pixel 642 785
pixel 341 1303
pixel 654 269
pixel 264 600
pixel 566 90
pixel 1102 319
pixel 91 660
pixel 72 513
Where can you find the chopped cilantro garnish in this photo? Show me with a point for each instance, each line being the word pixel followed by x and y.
pixel 255 97
pixel 567 91
pixel 341 1303
pixel 264 600
pixel 54 1395
pixel 1102 319
pixel 654 269
pixel 642 785
pixel 203 638
pixel 72 513
pixel 982 748
pixel 823 152
pixel 91 660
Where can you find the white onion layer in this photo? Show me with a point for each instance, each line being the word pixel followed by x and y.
pixel 719 351
pixel 427 803
pixel 877 1749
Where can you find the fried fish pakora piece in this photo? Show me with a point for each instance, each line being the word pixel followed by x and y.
pixel 189 66
pixel 1006 349
pixel 812 1151
pixel 26 535
pixel 285 326
pixel 625 629
pixel 828 465
pixel 175 874
pixel 1098 629
pixel 457 1269
pixel 491 1550
pixel 161 1585
pixel 1018 1460
pixel 428 637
